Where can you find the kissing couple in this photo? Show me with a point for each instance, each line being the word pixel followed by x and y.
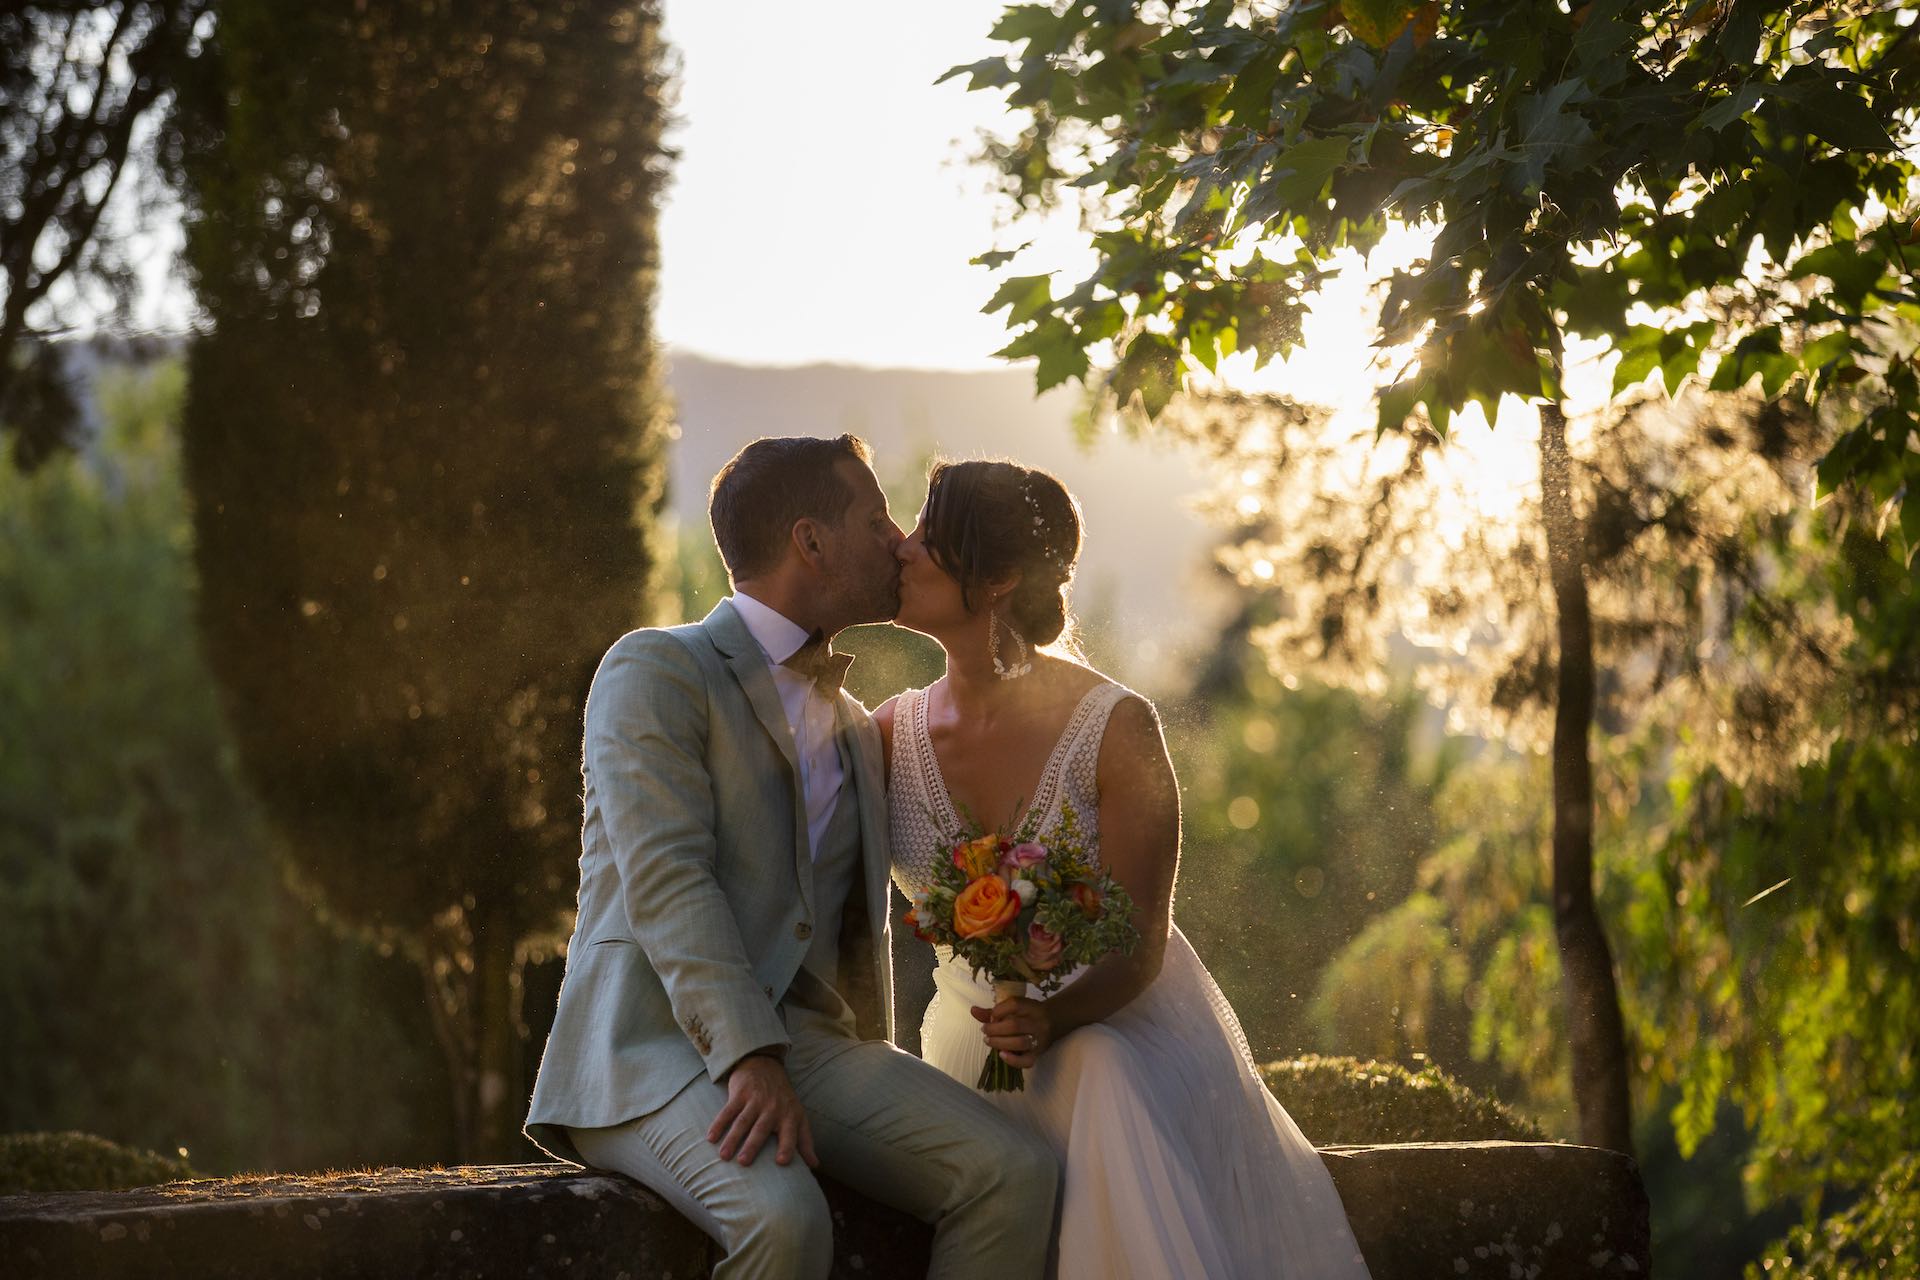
pixel 723 1027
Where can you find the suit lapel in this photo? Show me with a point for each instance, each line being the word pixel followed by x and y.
pixel 855 730
pixel 862 738
pixel 749 666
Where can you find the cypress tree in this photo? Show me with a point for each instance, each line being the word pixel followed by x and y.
pixel 423 439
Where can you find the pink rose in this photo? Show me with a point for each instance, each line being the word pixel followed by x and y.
pixel 1022 857
pixel 1043 947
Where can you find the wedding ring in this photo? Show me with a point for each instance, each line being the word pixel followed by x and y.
pixel 1032 1044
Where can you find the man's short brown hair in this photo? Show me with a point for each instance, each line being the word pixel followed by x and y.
pixel 770 485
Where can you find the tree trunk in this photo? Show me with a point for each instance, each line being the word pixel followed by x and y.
pixel 476 1020
pixel 499 1100
pixel 1595 1031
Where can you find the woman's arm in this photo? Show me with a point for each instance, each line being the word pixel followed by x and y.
pixel 1140 845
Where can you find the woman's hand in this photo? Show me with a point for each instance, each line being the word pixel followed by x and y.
pixel 1019 1029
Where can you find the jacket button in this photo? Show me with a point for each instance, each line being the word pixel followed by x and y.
pixel 803 931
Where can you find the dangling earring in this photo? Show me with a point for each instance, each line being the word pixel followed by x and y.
pixel 1019 666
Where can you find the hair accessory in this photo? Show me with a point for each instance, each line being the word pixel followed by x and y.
pixel 1020 665
pixel 1048 552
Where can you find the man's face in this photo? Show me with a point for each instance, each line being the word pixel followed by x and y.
pixel 862 569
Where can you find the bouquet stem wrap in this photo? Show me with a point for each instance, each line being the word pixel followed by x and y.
pixel 996 1076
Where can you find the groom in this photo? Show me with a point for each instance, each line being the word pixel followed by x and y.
pixel 722 1025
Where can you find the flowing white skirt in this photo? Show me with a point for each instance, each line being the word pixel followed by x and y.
pixel 1178 1161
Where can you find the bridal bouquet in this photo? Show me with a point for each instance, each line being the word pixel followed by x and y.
pixel 1022 910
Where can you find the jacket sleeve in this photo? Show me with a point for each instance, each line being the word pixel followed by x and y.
pixel 646 734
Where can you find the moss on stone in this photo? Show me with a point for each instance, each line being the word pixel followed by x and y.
pixel 45 1162
pixel 1350 1100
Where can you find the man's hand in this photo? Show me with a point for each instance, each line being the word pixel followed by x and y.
pixel 761 1103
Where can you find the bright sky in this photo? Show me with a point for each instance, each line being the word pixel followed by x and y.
pixel 821 206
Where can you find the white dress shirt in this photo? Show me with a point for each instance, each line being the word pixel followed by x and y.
pixel 810 715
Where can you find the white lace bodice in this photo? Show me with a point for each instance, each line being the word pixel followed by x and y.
pixel 922 815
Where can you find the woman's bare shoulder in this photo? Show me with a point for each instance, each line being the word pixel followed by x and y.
pixel 1075 679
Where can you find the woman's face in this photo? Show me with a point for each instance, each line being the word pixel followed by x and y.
pixel 929 596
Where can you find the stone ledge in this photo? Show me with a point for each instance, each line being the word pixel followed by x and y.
pixel 1422 1212
pixel 1526 1210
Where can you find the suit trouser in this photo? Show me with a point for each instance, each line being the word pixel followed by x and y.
pixel 887 1125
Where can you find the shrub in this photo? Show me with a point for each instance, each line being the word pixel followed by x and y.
pixel 1351 1100
pixel 1879 1235
pixel 80 1162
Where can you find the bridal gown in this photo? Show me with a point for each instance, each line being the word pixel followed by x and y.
pixel 1178 1162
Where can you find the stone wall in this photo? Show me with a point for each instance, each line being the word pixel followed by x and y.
pixel 1421 1212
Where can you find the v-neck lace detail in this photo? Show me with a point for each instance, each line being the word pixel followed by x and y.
pixel 922 811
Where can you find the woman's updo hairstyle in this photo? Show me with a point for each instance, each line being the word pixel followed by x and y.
pixel 986 520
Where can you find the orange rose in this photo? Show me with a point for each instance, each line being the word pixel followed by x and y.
pixel 984 908
pixel 977 857
pixel 1086 897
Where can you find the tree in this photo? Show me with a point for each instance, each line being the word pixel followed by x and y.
pixel 1600 173
pixel 1778 890
pixel 423 440
pixel 81 84
pixel 1756 772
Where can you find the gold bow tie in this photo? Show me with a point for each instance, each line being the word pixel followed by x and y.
pixel 817 661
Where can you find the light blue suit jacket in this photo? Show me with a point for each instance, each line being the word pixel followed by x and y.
pixel 696 883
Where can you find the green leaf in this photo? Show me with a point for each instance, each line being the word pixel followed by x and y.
pixel 1027 295
pixel 1151 367
pixel 1203 341
pixel 1056 346
pixel 1378 22
pixel 1101 321
pixel 988 73
pixel 1757 352
pixel 1602 37
pixel 1057 364
pixel 997 258
pixel 1675 368
pixel 1027 22
pixel 1249 100
pixel 1843 119
pixel 1730 108
pixel 1550 133
pixel 1397 404
pixel 1853 273
pixel 1825 350
pixel 1639 356
pixel 1299 174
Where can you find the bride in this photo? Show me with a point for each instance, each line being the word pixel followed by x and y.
pixel 1178 1162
